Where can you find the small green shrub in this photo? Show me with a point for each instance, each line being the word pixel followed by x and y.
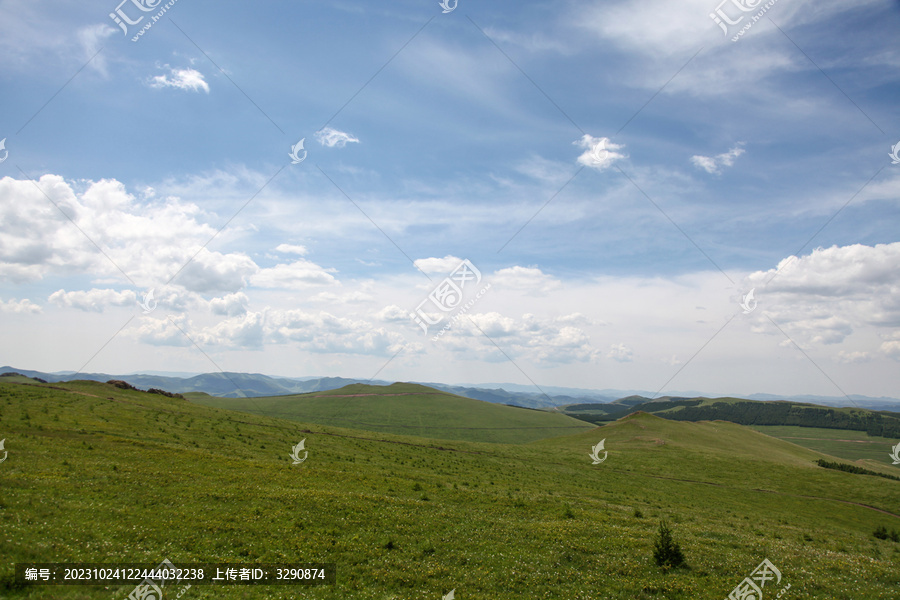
pixel 666 551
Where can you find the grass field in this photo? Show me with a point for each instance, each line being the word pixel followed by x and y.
pixel 850 445
pixel 408 409
pixel 98 474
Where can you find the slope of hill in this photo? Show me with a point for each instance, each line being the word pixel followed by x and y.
pixel 98 474
pixel 410 409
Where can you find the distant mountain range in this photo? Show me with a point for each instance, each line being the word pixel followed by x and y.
pixel 251 385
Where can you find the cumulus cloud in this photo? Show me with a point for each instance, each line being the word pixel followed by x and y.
pixel 183 79
pixel 291 249
pixel 545 341
pixel 599 153
pixel 149 242
pixel 162 331
pixel 824 297
pixel 217 272
pixel 323 332
pixel 94 300
pixel 393 314
pixel 714 164
pixel 300 274
pixel 230 305
pixel 438 266
pixel 891 349
pixel 620 352
pixel 24 306
pixel 332 137
pixel 244 331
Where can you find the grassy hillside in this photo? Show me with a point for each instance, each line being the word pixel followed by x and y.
pixel 100 474
pixel 409 409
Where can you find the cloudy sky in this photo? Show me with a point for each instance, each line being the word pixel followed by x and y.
pixel 619 176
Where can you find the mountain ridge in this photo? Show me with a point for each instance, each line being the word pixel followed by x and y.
pixel 236 385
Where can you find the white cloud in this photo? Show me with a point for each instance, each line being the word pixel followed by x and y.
pixel 550 172
pixel 599 153
pixel 19 306
pixel 230 305
pixel 891 349
pixel 332 137
pixel 148 242
pixel 853 357
pixel 91 39
pixel 824 297
pixel 244 331
pixel 94 300
pixel 182 79
pixel 300 274
pixel 348 298
pixel 291 249
pixel 438 266
pixel 545 341
pixel 620 353
pixel 393 314
pixel 524 278
pixel 162 331
pixel 649 26
pixel 323 332
pixel 714 164
pixel 216 272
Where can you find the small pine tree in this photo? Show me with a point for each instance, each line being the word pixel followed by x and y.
pixel 666 551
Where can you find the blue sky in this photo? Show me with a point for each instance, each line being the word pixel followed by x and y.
pixel 621 174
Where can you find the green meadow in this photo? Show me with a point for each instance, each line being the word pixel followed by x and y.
pixel 850 445
pixel 103 475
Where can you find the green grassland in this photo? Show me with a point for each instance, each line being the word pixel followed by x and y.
pixel 99 474
pixel 409 409
pixel 872 452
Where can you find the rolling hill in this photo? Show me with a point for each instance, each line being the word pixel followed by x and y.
pixel 100 474
pixel 409 409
